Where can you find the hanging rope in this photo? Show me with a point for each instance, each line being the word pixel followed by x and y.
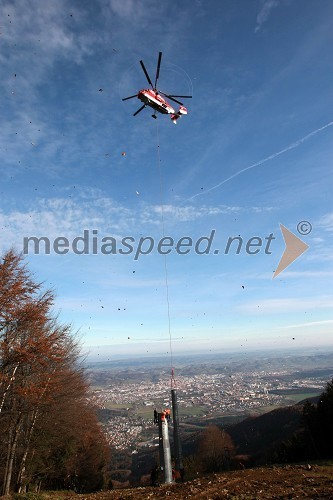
pixel 173 382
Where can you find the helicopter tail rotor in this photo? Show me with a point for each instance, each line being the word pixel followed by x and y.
pixel 174 118
pixel 182 111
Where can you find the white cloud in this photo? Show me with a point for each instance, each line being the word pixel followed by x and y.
pixel 44 32
pixel 44 43
pixel 308 274
pixel 311 323
pixel 286 305
pixel 265 12
pixel 326 222
pixel 139 13
pixel 91 209
pixel 128 9
pixel 189 213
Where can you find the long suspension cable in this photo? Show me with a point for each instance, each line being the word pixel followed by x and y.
pixel 165 256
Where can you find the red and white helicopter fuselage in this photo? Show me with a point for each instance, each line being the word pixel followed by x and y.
pixel 153 99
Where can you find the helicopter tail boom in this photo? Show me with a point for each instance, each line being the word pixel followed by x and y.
pixel 182 111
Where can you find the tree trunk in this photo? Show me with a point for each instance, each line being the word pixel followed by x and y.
pixel 12 378
pixel 21 474
pixel 12 444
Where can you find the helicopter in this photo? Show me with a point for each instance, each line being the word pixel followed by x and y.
pixel 153 97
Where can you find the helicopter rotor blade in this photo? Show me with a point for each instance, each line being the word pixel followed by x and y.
pixel 158 68
pixel 175 100
pixel 140 109
pixel 130 97
pixel 183 96
pixel 170 97
pixel 146 73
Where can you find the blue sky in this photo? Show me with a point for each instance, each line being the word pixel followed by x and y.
pixel 255 150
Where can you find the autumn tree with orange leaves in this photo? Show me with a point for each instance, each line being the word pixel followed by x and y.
pixel 215 450
pixel 47 428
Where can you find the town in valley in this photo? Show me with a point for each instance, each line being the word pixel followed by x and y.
pixel 215 388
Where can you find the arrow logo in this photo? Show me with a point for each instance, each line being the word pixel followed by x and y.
pixel 294 248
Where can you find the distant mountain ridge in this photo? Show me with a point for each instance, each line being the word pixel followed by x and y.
pixel 259 436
